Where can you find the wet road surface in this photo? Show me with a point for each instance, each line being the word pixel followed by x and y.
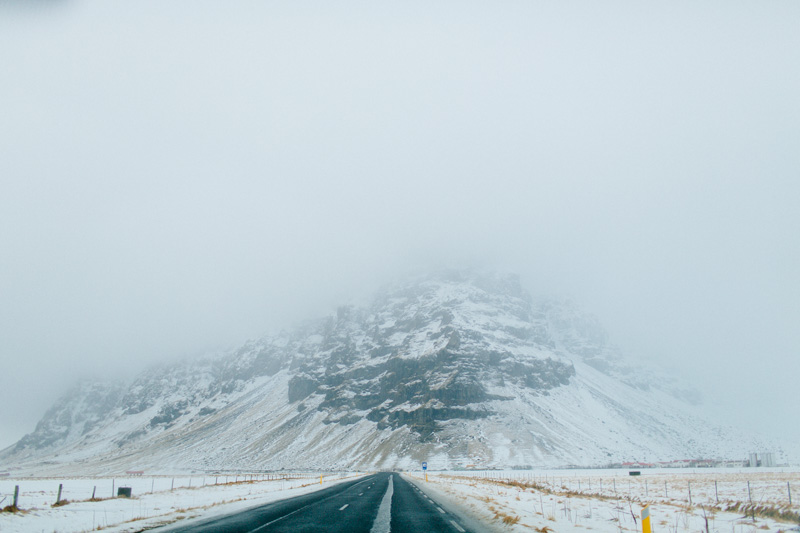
pixel 380 503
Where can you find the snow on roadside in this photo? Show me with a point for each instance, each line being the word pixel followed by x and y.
pixel 514 501
pixel 154 501
pixel 473 514
pixel 524 501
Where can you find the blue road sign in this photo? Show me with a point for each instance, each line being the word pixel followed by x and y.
pixel 424 465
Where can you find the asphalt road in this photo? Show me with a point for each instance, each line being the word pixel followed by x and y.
pixel 379 503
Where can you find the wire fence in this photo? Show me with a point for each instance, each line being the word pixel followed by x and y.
pixel 32 492
pixel 777 489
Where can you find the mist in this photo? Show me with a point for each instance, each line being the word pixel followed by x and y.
pixel 178 178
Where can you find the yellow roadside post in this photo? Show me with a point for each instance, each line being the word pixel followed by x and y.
pixel 646 520
pixel 320 479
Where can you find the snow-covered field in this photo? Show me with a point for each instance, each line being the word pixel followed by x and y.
pixel 154 500
pixel 603 501
pixel 611 500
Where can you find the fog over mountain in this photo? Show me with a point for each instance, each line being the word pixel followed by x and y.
pixel 457 368
pixel 176 179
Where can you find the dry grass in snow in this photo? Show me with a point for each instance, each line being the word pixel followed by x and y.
pixel 527 501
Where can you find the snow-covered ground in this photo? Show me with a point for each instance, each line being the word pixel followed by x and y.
pixel 612 501
pixel 154 500
pixel 602 501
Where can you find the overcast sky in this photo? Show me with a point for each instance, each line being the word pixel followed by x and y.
pixel 178 177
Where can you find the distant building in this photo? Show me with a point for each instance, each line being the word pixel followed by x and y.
pixel 753 460
pixel 767 459
pixel 637 464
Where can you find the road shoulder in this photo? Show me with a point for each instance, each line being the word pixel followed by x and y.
pixel 226 509
pixel 469 515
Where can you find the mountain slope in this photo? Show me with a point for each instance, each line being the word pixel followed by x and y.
pixel 457 369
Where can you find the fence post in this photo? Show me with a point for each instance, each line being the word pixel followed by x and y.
pixel 690 492
pixel 16 496
pixel 716 494
pixel 58 498
pixel 94 491
pixel 173 485
pixel 749 498
pixel 789 489
pixel 112 487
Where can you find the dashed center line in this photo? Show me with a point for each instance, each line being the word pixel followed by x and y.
pixel 440 510
pixel 343 507
pixel 455 525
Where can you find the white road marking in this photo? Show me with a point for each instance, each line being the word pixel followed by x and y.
pixel 440 510
pixel 360 493
pixel 343 507
pixel 383 521
pixel 455 525
pixel 263 526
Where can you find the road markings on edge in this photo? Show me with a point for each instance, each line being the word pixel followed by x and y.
pixel 259 528
pixel 455 525
pixel 384 519
pixel 343 507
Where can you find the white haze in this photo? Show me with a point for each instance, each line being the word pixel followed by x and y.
pixel 178 177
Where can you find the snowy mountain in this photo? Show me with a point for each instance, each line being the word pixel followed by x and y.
pixel 456 368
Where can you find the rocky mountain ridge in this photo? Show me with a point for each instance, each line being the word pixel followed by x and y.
pixel 458 368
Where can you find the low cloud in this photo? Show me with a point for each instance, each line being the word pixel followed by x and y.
pixel 176 181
